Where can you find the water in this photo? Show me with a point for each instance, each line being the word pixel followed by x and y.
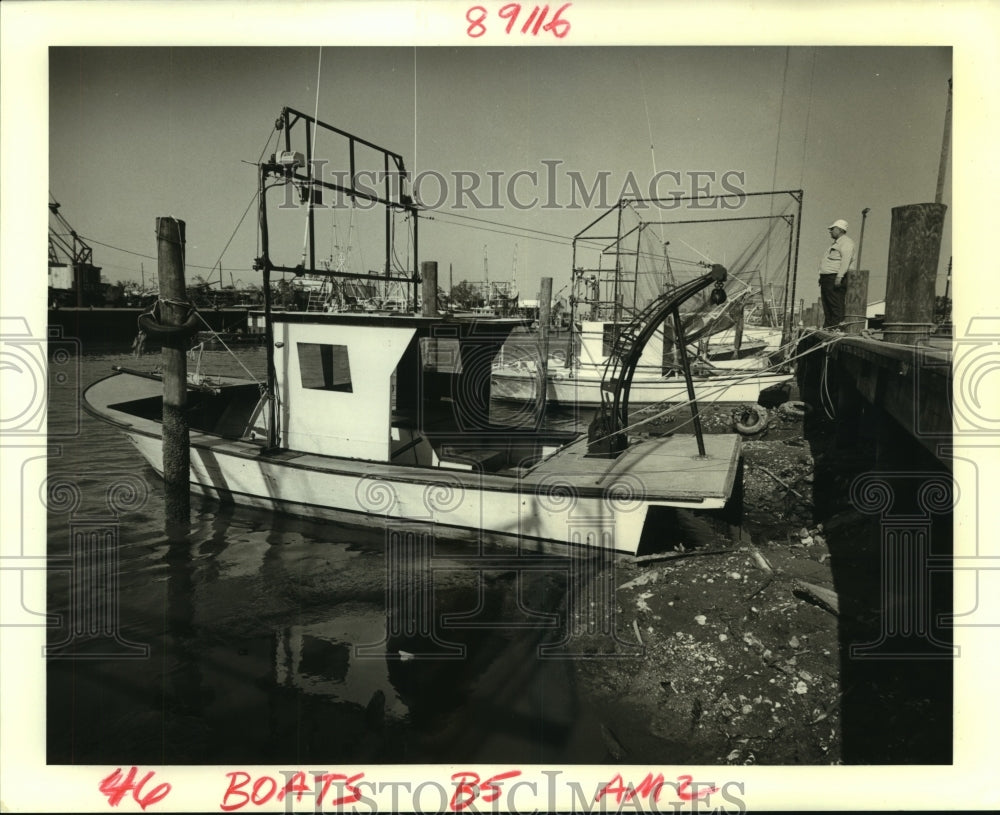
pixel 257 638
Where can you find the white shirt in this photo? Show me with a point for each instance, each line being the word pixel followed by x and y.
pixel 838 257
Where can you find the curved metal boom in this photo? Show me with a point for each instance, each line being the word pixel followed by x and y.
pixel 607 435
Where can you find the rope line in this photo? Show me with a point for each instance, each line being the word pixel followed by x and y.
pixel 676 406
pixel 219 339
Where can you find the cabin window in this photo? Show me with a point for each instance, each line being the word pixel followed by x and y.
pixel 441 354
pixel 324 367
pixel 610 335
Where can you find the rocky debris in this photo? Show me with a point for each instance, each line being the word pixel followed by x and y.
pixel 739 658
pixel 731 660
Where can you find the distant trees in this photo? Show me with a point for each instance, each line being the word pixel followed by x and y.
pixel 942 310
pixel 465 295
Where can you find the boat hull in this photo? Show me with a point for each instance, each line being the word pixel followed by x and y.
pixel 566 499
pixel 564 389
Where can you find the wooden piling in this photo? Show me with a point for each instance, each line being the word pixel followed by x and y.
pixel 945 149
pixel 856 302
pixel 914 252
pixel 429 288
pixel 544 320
pixel 176 451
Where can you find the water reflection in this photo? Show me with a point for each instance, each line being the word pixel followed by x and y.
pixel 270 641
pixel 320 659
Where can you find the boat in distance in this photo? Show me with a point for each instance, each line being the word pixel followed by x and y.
pixel 656 380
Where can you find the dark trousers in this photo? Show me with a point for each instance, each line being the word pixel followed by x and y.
pixel 833 298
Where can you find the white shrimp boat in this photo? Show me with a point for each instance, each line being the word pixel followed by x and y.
pixel 656 381
pixel 605 300
pixel 582 387
pixel 378 419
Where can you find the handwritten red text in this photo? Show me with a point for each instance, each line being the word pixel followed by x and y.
pixel 533 21
pixel 116 787
pixel 469 787
pixel 650 788
pixel 265 788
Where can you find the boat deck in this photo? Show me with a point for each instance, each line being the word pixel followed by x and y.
pixel 668 468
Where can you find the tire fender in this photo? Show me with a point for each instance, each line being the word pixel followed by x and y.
pixel 793 409
pixel 750 420
pixel 152 327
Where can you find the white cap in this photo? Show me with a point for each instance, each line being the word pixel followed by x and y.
pixel 840 223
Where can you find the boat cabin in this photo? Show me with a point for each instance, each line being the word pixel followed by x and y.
pixel 403 389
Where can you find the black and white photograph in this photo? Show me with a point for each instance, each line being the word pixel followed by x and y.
pixel 524 407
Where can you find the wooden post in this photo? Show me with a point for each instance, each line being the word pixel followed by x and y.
pixel 945 150
pixel 914 252
pixel 78 281
pixel 818 314
pixel 176 452
pixel 544 318
pixel 856 302
pixel 861 238
pixel 429 288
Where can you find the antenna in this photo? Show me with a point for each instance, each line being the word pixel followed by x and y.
pixel 513 274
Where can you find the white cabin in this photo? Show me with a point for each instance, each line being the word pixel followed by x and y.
pixel 400 389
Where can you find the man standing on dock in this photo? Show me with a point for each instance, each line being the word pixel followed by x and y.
pixel 832 271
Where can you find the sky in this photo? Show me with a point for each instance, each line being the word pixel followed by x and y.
pixel 137 133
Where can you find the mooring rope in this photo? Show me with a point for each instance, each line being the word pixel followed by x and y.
pixel 230 350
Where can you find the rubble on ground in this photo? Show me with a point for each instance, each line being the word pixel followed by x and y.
pixel 738 658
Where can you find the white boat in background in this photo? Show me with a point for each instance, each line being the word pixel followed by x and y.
pixel 384 419
pixel 726 360
pixel 657 380
pixel 584 387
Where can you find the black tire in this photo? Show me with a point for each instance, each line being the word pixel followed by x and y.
pixel 753 420
pixel 794 409
pixel 157 330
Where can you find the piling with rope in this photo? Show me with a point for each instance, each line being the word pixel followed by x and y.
pixel 173 326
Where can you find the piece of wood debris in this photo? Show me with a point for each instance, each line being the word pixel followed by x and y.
pixel 825 598
pixel 674 555
pixel 762 562
pixel 787 486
